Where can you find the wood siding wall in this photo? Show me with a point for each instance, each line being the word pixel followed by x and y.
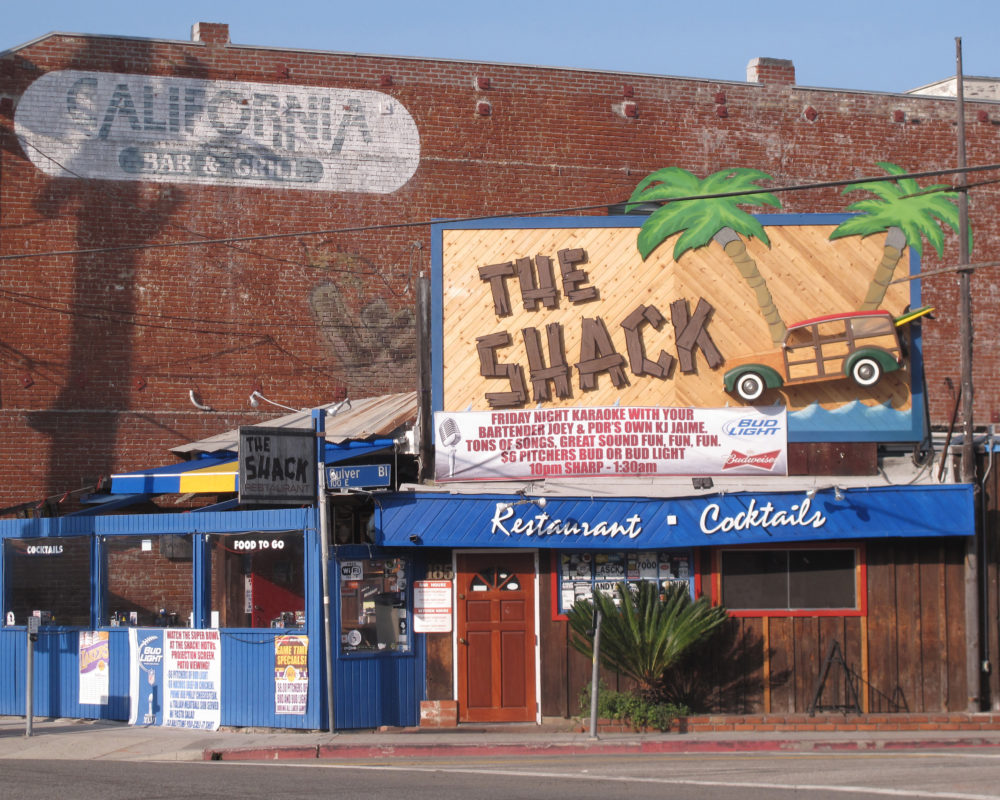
pixel 908 654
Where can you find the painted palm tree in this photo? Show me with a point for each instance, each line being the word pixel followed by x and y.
pixel 644 635
pixel 907 214
pixel 710 217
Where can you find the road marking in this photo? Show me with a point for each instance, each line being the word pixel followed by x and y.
pixel 792 787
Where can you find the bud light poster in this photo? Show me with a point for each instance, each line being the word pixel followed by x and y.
pixel 175 678
pixel 145 647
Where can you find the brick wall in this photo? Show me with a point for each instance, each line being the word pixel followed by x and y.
pixel 100 349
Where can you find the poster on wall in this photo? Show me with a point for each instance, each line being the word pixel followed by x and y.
pixel 145 646
pixel 175 678
pixel 291 674
pixel 432 608
pixel 192 669
pixel 94 671
pixel 610 441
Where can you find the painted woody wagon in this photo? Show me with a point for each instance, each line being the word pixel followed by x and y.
pixel 860 345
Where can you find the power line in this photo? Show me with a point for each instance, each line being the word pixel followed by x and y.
pixel 484 217
pixel 169 220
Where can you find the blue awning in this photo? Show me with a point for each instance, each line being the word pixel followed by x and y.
pixel 635 523
pixel 219 474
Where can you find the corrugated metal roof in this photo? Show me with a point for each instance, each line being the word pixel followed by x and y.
pixel 362 419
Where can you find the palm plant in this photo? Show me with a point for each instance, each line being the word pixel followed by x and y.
pixel 907 214
pixel 643 636
pixel 709 217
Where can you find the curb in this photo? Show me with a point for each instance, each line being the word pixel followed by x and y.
pixel 334 751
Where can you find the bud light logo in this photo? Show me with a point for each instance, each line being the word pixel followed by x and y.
pixel 753 427
pixel 150 656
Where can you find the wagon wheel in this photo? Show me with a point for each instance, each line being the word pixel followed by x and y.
pixel 750 386
pixel 866 371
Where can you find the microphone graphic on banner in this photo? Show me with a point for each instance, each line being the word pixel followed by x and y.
pixel 450 437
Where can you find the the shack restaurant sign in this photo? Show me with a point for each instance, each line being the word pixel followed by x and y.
pixel 610 441
pixel 277 465
pixel 565 314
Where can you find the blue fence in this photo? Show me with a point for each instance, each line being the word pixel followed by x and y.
pixel 370 690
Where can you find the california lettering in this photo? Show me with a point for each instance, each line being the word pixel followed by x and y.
pixel 141 127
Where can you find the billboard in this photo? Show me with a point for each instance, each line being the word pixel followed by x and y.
pixel 563 313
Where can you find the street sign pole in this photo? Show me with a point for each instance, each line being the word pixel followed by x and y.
pixel 319 426
pixel 29 688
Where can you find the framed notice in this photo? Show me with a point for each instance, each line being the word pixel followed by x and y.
pixel 432 608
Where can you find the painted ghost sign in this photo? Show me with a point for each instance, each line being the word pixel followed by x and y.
pixel 183 130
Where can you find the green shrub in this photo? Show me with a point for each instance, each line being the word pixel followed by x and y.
pixel 645 631
pixel 632 709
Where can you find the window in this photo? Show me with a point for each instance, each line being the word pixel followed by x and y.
pixel 373 605
pixel 258 580
pixel 581 574
pixel 789 580
pixel 50 576
pixel 149 580
pixel 352 523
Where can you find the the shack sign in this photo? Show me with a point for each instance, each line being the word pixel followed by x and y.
pixel 277 465
pixel 226 133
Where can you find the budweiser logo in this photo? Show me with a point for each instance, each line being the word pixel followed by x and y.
pixel 763 461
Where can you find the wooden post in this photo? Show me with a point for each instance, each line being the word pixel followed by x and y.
pixel 968 465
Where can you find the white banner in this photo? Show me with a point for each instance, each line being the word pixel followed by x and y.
pixel 610 441
pixel 192 670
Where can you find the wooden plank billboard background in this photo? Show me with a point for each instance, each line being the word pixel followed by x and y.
pixel 807 274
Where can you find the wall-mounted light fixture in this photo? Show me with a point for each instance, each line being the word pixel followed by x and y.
pixel 256 397
pixel 345 403
pixel 196 402
pixel 838 492
pixel 702 483
pixel 540 502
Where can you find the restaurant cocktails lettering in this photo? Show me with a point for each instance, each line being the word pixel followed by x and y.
pixel 507 522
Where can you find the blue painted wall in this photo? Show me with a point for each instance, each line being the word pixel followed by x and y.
pixel 371 690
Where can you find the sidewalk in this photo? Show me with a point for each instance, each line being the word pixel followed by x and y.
pixel 116 741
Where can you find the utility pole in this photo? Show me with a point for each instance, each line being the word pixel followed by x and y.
pixel 319 428
pixel 968 450
pixel 424 451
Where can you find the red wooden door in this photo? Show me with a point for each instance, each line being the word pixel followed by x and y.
pixel 496 637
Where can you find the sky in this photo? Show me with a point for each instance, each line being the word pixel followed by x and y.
pixel 877 45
